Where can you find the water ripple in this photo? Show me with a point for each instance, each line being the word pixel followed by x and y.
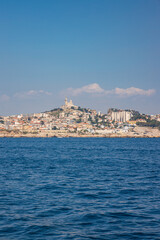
pixel 79 189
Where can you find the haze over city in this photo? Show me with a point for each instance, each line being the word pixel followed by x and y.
pixel 102 54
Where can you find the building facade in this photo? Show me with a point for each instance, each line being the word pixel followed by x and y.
pixel 121 116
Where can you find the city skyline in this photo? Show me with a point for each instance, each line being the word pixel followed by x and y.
pixel 99 53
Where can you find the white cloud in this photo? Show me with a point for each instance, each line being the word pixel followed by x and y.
pixel 92 88
pixel 133 91
pixel 96 89
pixel 4 98
pixel 31 93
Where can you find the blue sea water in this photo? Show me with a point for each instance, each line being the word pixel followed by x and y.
pixel 75 188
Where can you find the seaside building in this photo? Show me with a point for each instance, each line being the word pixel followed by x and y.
pixel 121 116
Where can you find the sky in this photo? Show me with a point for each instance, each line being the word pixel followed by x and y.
pixel 99 53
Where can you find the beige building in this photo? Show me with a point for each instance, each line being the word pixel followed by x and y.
pixel 68 104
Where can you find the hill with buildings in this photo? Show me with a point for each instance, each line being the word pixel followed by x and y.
pixel 72 120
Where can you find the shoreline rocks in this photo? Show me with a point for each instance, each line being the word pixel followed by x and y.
pixel 139 132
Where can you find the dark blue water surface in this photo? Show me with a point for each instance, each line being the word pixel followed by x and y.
pixel 74 188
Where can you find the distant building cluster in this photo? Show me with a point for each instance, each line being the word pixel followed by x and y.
pixel 71 118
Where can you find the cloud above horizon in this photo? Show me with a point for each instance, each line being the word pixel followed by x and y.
pixel 95 88
pixel 31 93
pixel 24 95
pixel 4 98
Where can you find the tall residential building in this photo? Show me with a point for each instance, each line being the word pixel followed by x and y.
pixel 121 116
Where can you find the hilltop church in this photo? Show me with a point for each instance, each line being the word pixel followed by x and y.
pixel 68 104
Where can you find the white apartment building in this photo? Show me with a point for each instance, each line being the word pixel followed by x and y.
pixel 121 116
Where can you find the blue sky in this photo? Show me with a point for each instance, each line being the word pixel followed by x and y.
pixel 100 53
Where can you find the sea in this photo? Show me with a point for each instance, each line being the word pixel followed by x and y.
pixel 79 188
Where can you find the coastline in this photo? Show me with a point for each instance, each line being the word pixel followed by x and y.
pixel 139 132
pixel 80 136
